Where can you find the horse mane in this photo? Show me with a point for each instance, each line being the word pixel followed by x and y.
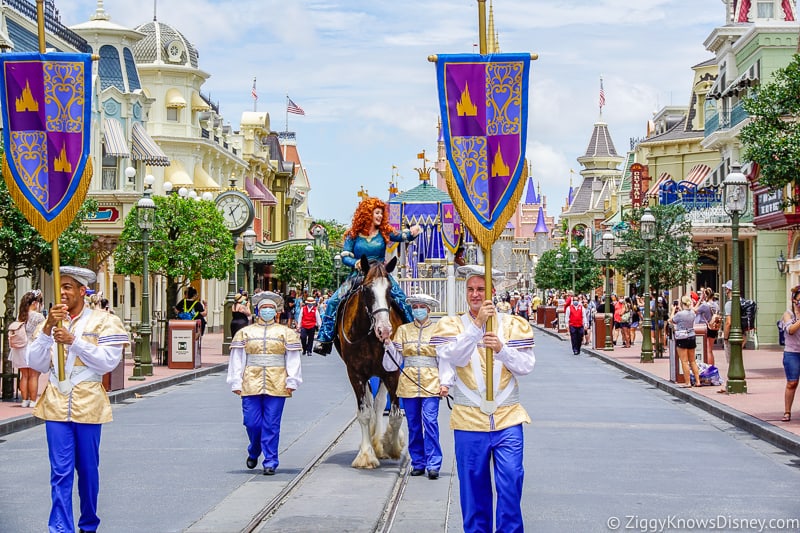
pixel 376 270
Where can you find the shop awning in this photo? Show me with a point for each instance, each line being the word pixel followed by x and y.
pixel 254 192
pixel 716 176
pixel 144 148
pixel 715 92
pixel 116 145
pixel 174 99
pixel 198 104
pixel 664 176
pixel 747 79
pixel 269 197
pixel 176 174
pixel 202 180
pixel 698 174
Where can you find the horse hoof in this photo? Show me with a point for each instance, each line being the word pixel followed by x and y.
pixel 365 462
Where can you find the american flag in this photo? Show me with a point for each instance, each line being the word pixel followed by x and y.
pixel 602 95
pixel 291 107
pixel 253 92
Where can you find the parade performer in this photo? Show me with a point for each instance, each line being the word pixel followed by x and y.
pixel 484 434
pixel 74 410
pixel 419 387
pixel 264 369
pixel 368 236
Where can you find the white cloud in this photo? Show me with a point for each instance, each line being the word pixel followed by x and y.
pixel 359 69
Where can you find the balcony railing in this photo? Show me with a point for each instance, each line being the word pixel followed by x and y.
pixel 725 120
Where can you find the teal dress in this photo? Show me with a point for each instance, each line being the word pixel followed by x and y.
pixel 375 250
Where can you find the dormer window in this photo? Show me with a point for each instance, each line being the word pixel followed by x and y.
pixel 765 10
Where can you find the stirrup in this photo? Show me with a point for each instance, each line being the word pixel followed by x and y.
pixel 323 348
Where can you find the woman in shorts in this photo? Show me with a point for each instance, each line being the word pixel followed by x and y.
pixel 791 353
pixel 685 340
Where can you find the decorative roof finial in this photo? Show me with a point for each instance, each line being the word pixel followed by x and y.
pixel 424 172
pixel 100 13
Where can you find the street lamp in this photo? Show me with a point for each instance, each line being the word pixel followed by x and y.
pixel 608 249
pixel 573 260
pixel 647 229
pixel 309 250
pixel 145 219
pixel 337 265
pixel 735 202
pixel 249 240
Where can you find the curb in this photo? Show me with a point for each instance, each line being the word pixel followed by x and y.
pixel 12 425
pixel 765 431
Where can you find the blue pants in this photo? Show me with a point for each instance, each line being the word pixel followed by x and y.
pixel 422 415
pixel 475 451
pixel 329 317
pixel 262 420
pixel 72 446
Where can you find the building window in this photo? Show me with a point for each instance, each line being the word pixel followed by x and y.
pixel 173 114
pixel 766 10
pixel 110 69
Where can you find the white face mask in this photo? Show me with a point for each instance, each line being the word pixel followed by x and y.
pixel 419 314
pixel 267 314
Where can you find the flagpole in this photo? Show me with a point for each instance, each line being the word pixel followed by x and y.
pixel 255 95
pixel 287 113
pixel 55 255
pixel 487 251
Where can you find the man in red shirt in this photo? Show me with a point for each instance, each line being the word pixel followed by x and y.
pixel 575 321
pixel 309 322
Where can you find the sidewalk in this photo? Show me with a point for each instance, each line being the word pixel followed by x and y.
pixel 13 417
pixel 759 411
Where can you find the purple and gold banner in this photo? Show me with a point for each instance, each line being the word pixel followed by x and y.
pixel 484 108
pixel 46 105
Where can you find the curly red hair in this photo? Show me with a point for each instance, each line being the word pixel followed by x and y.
pixel 362 219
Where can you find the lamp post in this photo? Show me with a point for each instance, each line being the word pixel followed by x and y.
pixel 145 219
pixel 735 201
pixel 337 266
pixel 647 229
pixel 309 250
pixel 249 240
pixel 608 249
pixel 559 257
pixel 573 260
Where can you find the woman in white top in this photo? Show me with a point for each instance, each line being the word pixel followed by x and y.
pixel 29 314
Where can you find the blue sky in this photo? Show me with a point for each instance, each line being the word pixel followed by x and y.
pixel 359 70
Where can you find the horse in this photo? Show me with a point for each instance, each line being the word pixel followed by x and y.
pixel 366 319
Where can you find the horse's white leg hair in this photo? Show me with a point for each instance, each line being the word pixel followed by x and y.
pixel 393 439
pixel 377 433
pixel 366 418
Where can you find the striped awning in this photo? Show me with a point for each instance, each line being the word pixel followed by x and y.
pixel 144 148
pixel 747 79
pixel 114 137
pixel 202 181
pixel 717 176
pixel 175 99
pixel 664 176
pixel 269 197
pixel 715 92
pixel 176 174
pixel 698 174
pixel 198 104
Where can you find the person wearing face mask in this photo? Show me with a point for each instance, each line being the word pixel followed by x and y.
pixel 264 370
pixel 411 350
pixel 309 322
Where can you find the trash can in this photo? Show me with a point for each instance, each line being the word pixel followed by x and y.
pixel 540 315
pixel 115 380
pixel 550 316
pixel 562 321
pixel 600 330
pixel 184 344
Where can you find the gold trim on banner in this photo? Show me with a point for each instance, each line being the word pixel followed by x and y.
pixel 485 238
pixel 49 231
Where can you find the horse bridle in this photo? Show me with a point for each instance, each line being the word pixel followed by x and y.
pixel 370 313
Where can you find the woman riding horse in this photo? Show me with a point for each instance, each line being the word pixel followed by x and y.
pixel 368 235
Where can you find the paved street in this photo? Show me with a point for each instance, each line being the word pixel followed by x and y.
pixel 602 445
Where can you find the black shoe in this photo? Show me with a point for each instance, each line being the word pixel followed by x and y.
pixel 433 474
pixel 269 471
pixel 84 531
pixel 322 348
pixel 417 472
pixel 251 463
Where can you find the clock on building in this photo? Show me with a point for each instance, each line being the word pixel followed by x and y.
pixel 237 210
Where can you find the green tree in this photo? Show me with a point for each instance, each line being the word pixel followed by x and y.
pixel 673 260
pixel 772 137
pixel 554 273
pixel 290 266
pixel 23 253
pixel 189 241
